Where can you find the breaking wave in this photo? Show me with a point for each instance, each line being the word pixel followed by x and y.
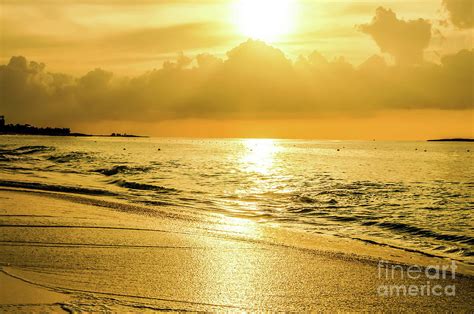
pixel 413 230
pixel 143 186
pixel 55 188
pixel 26 150
pixel 69 157
pixel 122 169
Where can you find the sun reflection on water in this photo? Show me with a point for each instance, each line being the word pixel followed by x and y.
pixel 259 155
pixel 257 165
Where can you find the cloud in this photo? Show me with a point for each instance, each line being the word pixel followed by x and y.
pixel 461 12
pixel 131 38
pixel 106 2
pixel 358 8
pixel 156 40
pixel 254 81
pixel 405 40
pixel 168 39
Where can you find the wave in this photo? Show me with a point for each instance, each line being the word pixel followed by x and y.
pixel 69 157
pixel 342 218
pixel 55 188
pixel 121 169
pixel 26 150
pixel 143 186
pixel 459 251
pixel 309 200
pixel 156 203
pixel 405 228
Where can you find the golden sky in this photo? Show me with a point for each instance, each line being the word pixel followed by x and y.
pixel 161 66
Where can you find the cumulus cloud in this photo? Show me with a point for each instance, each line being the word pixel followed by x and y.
pixel 461 12
pixel 254 81
pixel 405 40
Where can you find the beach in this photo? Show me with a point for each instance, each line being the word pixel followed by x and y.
pixel 90 254
pixel 236 156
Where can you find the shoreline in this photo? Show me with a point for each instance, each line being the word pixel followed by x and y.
pixel 448 140
pixel 352 246
pixel 23 296
pixel 76 135
pixel 182 261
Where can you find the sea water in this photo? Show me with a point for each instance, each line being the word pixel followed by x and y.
pixel 411 195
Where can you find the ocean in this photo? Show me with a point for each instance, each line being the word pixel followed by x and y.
pixel 416 196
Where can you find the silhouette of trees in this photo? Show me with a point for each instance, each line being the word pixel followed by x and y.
pixel 32 130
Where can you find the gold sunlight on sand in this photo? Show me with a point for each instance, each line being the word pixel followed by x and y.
pixel 266 20
pixel 243 227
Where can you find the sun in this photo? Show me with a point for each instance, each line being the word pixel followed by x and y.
pixel 266 20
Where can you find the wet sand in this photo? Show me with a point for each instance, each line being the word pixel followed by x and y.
pixel 63 252
pixel 20 296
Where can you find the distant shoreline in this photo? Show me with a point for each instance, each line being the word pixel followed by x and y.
pixel 27 129
pixel 464 140
pixel 78 135
pixel 452 140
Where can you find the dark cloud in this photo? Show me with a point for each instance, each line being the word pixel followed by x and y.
pixel 405 40
pixel 461 12
pixel 254 81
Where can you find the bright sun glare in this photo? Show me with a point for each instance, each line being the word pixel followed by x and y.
pixel 266 20
pixel 259 155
